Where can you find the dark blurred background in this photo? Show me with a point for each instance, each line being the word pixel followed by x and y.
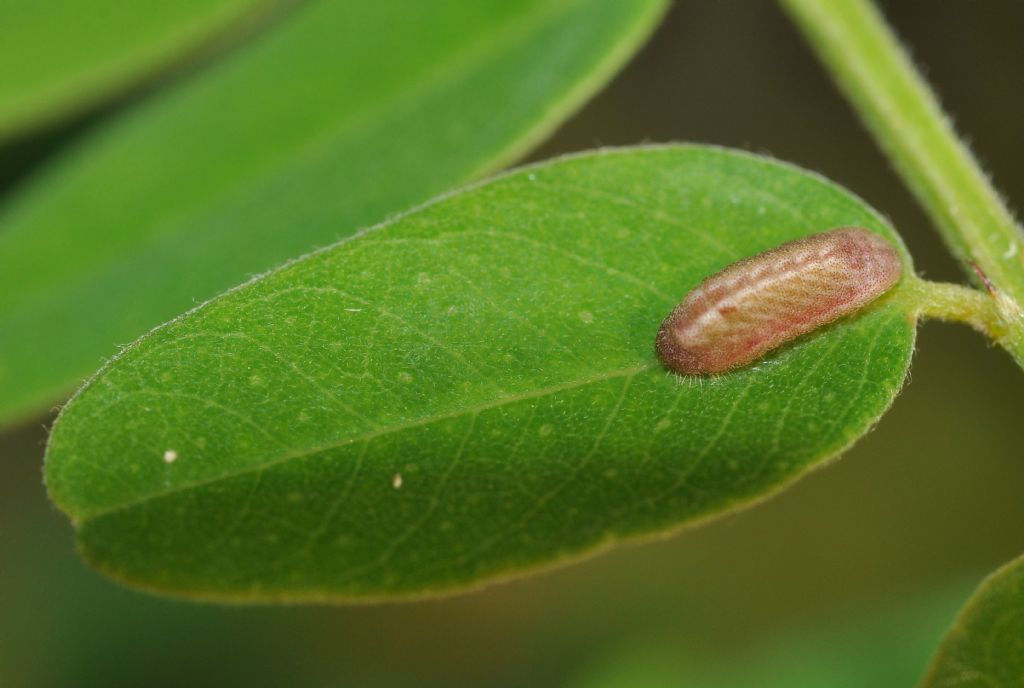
pixel 910 519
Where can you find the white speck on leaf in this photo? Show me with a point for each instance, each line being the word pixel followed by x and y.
pixel 1012 251
pixel 170 456
pixel 396 481
pixel 354 310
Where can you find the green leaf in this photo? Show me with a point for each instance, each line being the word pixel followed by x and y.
pixel 345 113
pixel 63 56
pixel 469 391
pixel 876 646
pixel 986 645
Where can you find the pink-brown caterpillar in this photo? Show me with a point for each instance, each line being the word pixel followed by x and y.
pixel 755 305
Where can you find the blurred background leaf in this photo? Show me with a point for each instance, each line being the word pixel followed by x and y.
pixel 495 351
pixel 344 113
pixel 881 646
pixel 986 646
pixel 930 496
pixel 63 57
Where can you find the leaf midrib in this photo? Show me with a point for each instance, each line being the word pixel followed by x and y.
pixel 306 452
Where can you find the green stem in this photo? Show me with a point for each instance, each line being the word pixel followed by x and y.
pixel 957 303
pixel 954 303
pixel 866 60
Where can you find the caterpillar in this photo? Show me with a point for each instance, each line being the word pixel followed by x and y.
pixel 755 305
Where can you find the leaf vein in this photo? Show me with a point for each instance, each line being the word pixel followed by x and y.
pixel 306 452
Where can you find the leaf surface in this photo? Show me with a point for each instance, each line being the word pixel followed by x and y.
pixel 62 56
pixel 986 644
pixel 346 112
pixel 468 391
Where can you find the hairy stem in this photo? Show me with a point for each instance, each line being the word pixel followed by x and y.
pixel 984 311
pixel 878 78
pixel 955 303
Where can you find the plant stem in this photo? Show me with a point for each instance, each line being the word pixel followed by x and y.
pixel 878 78
pixel 957 303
